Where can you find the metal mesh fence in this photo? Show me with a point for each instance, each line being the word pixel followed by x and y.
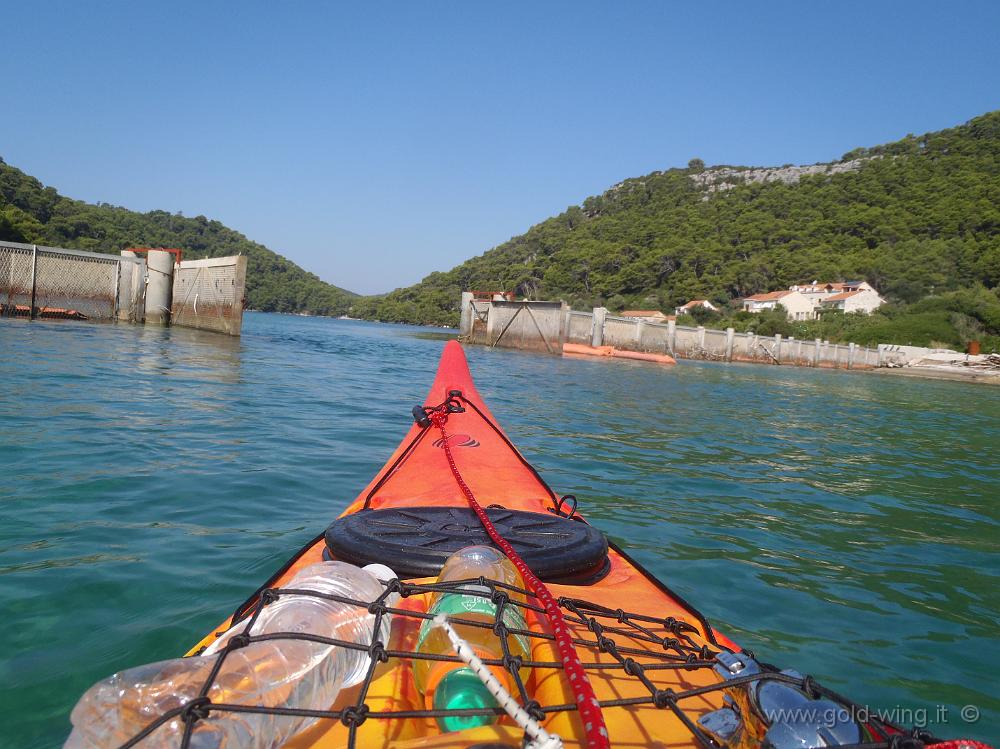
pixel 15 279
pixel 49 282
pixel 73 286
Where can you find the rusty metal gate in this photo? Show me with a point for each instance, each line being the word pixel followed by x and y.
pixel 51 282
pixel 208 294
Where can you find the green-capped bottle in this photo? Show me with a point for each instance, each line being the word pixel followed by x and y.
pixel 449 685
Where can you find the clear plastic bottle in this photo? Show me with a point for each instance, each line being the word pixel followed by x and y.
pixel 287 673
pixel 450 685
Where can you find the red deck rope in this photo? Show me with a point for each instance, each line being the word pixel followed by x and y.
pixel 586 701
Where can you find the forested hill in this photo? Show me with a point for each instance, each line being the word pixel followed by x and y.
pixel 917 217
pixel 33 213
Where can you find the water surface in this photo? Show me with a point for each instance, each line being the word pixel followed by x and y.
pixel 845 524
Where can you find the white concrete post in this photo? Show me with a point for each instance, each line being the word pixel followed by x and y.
pixel 730 337
pixel 159 287
pixel 671 336
pixel 640 328
pixel 751 343
pixel 597 326
pixel 816 353
pixel 465 326
pixel 137 290
pixel 850 355
pixel 777 347
pixel 127 269
pixel 701 337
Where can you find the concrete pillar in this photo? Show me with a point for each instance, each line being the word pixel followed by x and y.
pixel 850 355
pixel 701 337
pixel 751 344
pixel 730 336
pixel 597 326
pixel 777 347
pixel 465 326
pixel 671 336
pixel 816 353
pixel 879 359
pixel 139 289
pixel 127 270
pixel 159 287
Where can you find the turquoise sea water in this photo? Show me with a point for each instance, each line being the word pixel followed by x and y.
pixel 844 524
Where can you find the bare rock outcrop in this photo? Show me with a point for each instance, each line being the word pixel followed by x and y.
pixel 716 179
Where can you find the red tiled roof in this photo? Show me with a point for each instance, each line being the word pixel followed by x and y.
pixel 768 297
pixel 694 303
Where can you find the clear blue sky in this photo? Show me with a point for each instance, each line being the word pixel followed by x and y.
pixel 373 143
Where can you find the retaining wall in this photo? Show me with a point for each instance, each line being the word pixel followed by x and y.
pixel 538 326
pixel 544 326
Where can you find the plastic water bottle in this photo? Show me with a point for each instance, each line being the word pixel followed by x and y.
pixel 271 673
pixel 450 685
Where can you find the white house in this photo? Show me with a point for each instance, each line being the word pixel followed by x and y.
pixel 796 304
pixel 859 300
pixel 818 291
pixel 694 303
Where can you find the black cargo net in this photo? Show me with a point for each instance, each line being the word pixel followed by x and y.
pixel 655 645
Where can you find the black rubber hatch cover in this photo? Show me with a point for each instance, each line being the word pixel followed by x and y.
pixel 415 542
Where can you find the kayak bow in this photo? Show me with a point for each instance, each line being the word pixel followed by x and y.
pixel 661 674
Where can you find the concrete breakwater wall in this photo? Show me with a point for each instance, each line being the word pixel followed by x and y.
pixel 537 326
pixel 159 289
pixel 546 326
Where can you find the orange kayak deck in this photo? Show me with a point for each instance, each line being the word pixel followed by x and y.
pixel 671 643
